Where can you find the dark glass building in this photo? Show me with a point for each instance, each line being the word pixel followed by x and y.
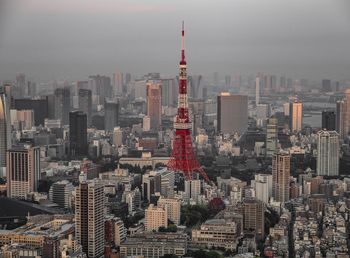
pixel 77 133
pixel 328 120
pixel 39 107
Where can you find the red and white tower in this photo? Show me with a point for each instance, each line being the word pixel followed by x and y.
pixel 183 158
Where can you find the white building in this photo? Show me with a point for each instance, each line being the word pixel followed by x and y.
pixel 327 153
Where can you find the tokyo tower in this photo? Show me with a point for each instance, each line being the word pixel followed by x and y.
pixel 183 158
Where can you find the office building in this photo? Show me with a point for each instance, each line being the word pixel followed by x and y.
pixel 262 184
pixel 327 153
pixel 89 218
pixel 154 104
pixel 271 143
pixel 169 92
pixel 77 133
pixel 5 131
pixel 343 116
pixel 62 104
pixel 280 177
pixel 257 90
pixel 117 137
pixel 328 120
pixel 262 113
pixel 100 86
pixel 23 171
pixel 254 217
pixel 85 103
pixel 296 116
pixel 146 123
pixel 118 87
pixel 154 245
pixel 22 119
pixel 155 217
pixel 195 87
pixel 216 233
pixel 326 85
pixel 111 115
pixel 61 193
pixel 192 190
pixel 232 113
pixel 40 108
pixel 173 207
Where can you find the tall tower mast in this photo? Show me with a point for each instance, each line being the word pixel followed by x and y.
pixel 183 158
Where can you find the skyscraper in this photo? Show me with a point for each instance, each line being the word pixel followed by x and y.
pixel 328 120
pixel 327 153
pixel 280 177
pixel 257 90
pixel 232 113
pixel 85 103
pixel 118 84
pixel 271 137
pixel 326 85
pixel 23 171
pixel 343 116
pixel 111 115
pixel 62 104
pixel 154 104
pixel 296 116
pixel 77 133
pixel 89 218
pixel 5 130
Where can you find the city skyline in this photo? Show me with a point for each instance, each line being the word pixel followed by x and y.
pixel 294 38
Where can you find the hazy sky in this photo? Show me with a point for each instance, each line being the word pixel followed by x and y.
pixel 70 39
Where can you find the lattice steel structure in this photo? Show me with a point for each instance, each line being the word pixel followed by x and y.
pixel 183 158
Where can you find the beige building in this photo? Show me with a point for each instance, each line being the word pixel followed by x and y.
pixel 89 217
pixel 296 116
pixel 23 171
pixel 22 119
pixel 254 216
pixel 216 233
pixel 155 217
pixel 173 207
pixel 281 177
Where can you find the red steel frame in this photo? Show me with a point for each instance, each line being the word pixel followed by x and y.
pixel 183 158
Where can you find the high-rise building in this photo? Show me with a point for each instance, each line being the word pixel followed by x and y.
pixel 296 116
pixel 117 137
pixel 61 193
pixel 39 106
pixel 154 104
pixel 262 185
pixel 5 130
pixel 89 218
pixel 111 115
pixel 23 171
pixel 85 103
pixel 195 86
pixel 271 136
pixel 192 190
pixel 100 86
pixel 232 113
pixel 327 153
pixel 326 85
pixel 328 120
pixel 62 104
pixel 343 116
pixel 22 119
pixel 254 216
pixel 21 84
pixel 118 87
pixel 257 90
pixel 280 177
pixel 146 123
pixel 77 133
pixel 155 217
pixel 169 92
pixel 173 207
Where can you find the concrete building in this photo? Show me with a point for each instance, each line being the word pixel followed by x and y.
pixel 271 143
pixel 111 115
pixel 281 177
pixel 89 217
pixel 327 153
pixel 77 133
pixel 232 113
pixel 23 171
pixel 154 245
pixel 5 131
pixel 254 217
pixel 216 233
pixel 296 116
pixel 62 105
pixel 117 137
pixel 61 193
pixel 173 207
pixel 22 119
pixel 192 190
pixel 146 123
pixel 85 103
pixel 154 104
pixel 155 217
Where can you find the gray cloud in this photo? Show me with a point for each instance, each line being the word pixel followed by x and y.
pixel 65 39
